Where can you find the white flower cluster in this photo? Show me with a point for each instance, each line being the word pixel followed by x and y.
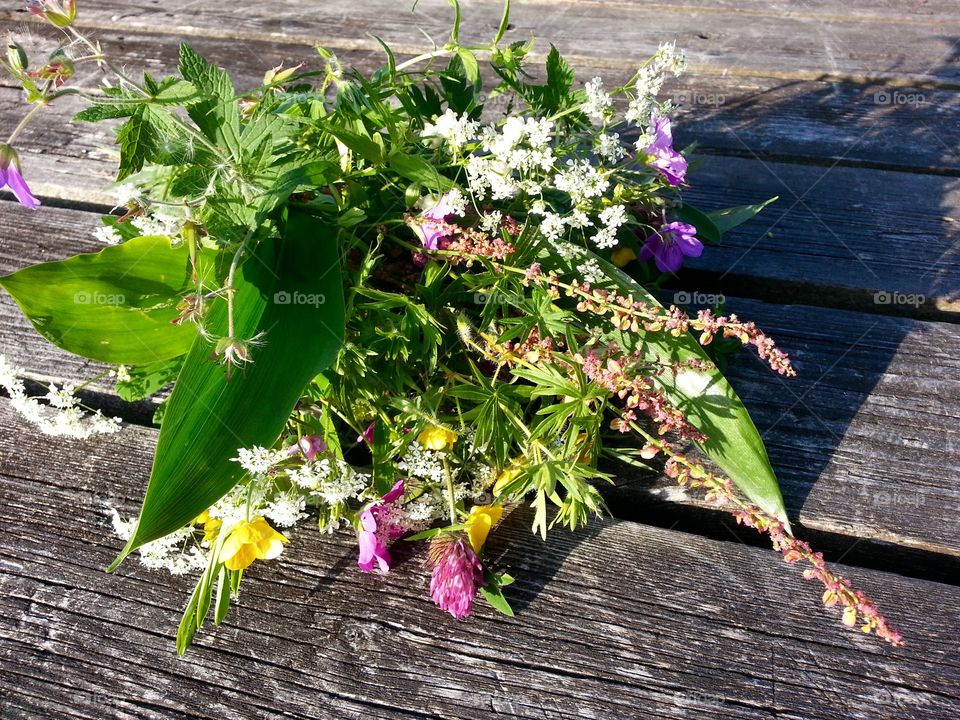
pixel 258 460
pixel 61 416
pixel 518 152
pixel 330 479
pixel 599 104
pixel 455 130
pixel 176 552
pixel 612 218
pixel 165 220
pixel 419 462
pixel 108 235
pixel 650 79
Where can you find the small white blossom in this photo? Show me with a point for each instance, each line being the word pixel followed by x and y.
pixel 598 103
pixel 581 180
pixel 63 416
pixel 612 219
pixel 539 132
pixel 590 271
pixel 552 226
pixel 257 460
pixel 609 147
pixel 490 222
pixel 286 509
pixel 108 235
pixel 422 463
pixel 457 131
pixel 578 219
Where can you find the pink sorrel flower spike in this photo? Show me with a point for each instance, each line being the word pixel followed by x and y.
pixel 457 573
pixel 11 177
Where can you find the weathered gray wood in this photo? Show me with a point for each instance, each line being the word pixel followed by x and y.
pixel 812 121
pixel 872 239
pixel 864 440
pixel 620 621
pixel 801 45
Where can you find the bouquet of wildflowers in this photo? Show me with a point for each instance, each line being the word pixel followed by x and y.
pixel 390 310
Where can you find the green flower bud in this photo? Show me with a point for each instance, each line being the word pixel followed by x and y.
pixel 17 56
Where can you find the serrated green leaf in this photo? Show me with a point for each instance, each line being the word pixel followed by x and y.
pixel 116 305
pixel 218 113
pixel 175 92
pixel 148 379
pixel 278 293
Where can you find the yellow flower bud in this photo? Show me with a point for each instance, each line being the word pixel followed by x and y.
pixel 623 256
pixel 437 438
pixel 479 522
pixel 507 476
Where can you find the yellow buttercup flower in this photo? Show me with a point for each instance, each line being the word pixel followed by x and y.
pixel 437 438
pixel 479 522
pixel 505 478
pixel 249 541
pixel 211 526
pixel 623 256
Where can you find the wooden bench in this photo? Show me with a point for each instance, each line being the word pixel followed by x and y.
pixel 677 614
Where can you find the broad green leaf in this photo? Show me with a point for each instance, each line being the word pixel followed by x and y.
pixel 706 228
pixel 712 406
pixel 291 291
pixel 116 305
pixel 415 168
pixel 726 220
pixel 493 591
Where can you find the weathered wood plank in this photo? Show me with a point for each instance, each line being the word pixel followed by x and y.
pixel 799 45
pixel 864 440
pixel 883 241
pixel 620 621
pixel 812 121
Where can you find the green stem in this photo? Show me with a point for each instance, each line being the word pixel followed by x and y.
pixel 451 500
pixel 26 119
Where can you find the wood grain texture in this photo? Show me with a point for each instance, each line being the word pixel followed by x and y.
pixel 885 241
pixel 763 40
pixel 812 121
pixel 619 621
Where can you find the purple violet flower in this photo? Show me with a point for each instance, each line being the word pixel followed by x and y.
pixel 378 527
pixel 10 177
pixel 671 164
pixel 457 573
pixel 668 247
